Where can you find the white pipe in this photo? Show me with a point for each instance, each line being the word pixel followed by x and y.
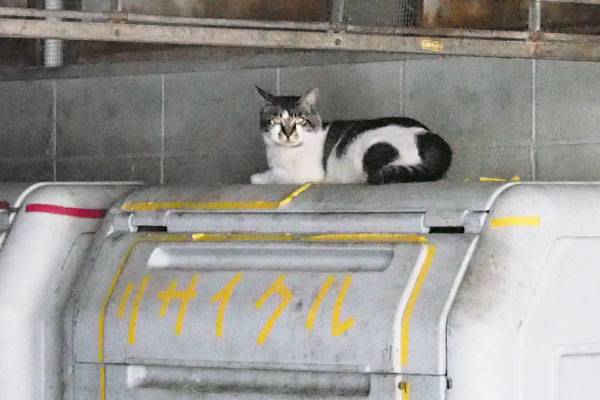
pixel 53 48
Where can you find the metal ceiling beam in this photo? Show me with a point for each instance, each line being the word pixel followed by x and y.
pixel 574 1
pixel 455 42
pixel 124 17
pixel 217 36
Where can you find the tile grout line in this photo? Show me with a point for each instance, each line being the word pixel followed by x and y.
pixel 532 150
pixel 129 156
pixel 54 133
pixel 25 159
pixel 162 130
pixel 567 143
pixel 402 78
pixel 278 81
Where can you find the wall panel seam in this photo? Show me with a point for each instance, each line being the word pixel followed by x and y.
pixel 533 120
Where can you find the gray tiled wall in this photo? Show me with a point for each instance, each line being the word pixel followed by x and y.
pixel 536 119
pixel 366 90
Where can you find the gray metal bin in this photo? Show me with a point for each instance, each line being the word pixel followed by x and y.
pixel 413 291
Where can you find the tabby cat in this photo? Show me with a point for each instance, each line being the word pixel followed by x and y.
pixel 301 148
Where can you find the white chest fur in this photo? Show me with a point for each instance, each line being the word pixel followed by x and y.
pixel 294 165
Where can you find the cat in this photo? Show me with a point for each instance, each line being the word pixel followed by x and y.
pixel 301 148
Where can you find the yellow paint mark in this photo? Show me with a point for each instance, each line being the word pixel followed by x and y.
pixel 167 238
pixel 190 293
pixel 334 237
pixel 221 237
pixel 366 237
pixel 414 295
pixel 125 300
pixel 337 327
pixel 103 383
pixel 310 321
pixel 166 297
pixel 107 300
pixel 224 294
pixel 432 45
pixel 405 389
pixel 486 179
pixel 294 194
pixel 216 205
pixel 184 295
pixel 111 289
pixel 515 221
pixel 277 287
pixel 137 302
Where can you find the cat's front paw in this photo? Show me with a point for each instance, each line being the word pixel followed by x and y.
pixel 259 179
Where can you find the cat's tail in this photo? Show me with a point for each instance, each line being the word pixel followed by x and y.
pixel 435 155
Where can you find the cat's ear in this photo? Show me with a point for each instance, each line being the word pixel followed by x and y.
pixel 310 98
pixel 265 95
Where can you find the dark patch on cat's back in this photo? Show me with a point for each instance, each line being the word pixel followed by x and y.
pixel 378 156
pixel 348 131
pixel 333 135
pixel 435 154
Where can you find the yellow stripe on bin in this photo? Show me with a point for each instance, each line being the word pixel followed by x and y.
pixel 137 302
pixel 333 237
pixel 293 195
pixel 486 179
pixel 223 296
pixel 233 237
pixel 515 221
pixel 405 389
pixel 125 300
pixel 111 289
pixel 287 296
pixel 410 305
pixel 366 237
pixel 312 314
pixel 103 383
pixel 216 205
pixel 339 327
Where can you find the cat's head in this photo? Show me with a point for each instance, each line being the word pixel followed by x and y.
pixel 289 120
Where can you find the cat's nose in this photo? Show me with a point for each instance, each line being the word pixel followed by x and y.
pixel 287 132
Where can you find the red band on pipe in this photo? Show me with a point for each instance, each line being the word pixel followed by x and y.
pixel 4 204
pixel 69 211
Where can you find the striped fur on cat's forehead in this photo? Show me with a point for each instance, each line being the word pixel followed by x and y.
pixel 290 106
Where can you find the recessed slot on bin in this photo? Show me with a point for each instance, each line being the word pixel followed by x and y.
pixel 271 256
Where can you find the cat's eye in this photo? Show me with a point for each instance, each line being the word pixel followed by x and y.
pixel 300 121
pixel 276 120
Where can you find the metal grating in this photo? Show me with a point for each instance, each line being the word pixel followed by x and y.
pixel 391 13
